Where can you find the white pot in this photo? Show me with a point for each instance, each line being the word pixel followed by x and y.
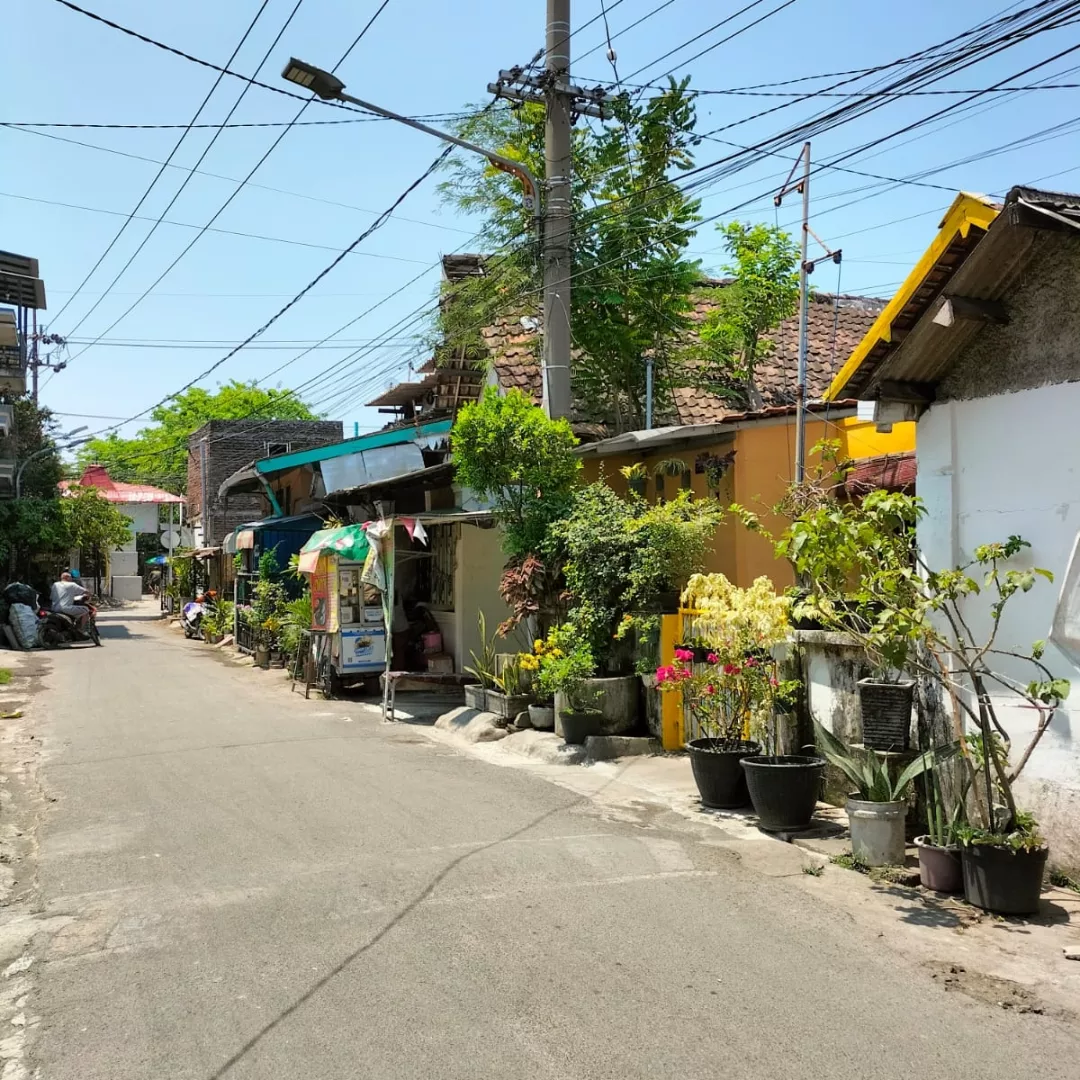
pixel 542 717
pixel 877 831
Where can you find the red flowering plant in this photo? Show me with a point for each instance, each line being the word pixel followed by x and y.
pixel 736 689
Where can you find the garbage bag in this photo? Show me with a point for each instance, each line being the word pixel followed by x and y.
pixel 24 621
pixel 18 593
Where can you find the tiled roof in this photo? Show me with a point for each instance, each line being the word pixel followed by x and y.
pixel 836 326
pixel 893 472
pixel 116 491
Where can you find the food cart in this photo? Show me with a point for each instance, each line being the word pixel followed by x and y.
pixel 349 633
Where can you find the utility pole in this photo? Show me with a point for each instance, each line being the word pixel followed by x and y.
pixel 806 268
pixel 563 102
pixel 35 363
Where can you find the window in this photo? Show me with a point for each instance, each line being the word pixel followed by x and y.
pixel 276 449
pixel 443 556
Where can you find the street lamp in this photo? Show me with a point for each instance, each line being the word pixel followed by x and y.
pixel 48 450
pixel 329 87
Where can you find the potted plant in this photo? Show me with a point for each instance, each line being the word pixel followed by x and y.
pixel 877 808
pixel 668 467
pixel 483 667
pixel 720 696
pixel 542 707
pixel 565 668
pixel 742 627
pixel 508 698
pixel 963 647
pixel 637 476
pixel 939 847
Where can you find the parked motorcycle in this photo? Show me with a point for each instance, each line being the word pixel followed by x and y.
pixel 192 615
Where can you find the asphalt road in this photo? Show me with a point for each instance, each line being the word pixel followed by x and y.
pixel 250 886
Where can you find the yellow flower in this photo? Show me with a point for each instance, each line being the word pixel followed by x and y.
pixel 538 645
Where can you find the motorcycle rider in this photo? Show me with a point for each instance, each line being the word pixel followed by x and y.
pixel 67 597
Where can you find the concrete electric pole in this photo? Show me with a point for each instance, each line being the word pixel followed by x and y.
pixel 563 102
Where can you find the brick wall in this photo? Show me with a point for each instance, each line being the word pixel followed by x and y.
pixel 232 444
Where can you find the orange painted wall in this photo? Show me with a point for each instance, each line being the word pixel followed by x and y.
pixel 764 467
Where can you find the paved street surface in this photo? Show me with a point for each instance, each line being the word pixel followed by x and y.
pixel 237 883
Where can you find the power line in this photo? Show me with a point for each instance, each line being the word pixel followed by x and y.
pixel 187 179
pixel 273 146
pixel 172 153
pixel 367 119
pixel 233 179
pixel 221 232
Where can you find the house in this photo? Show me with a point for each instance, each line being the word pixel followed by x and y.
pixel 981 345
pixel 404 471
pixel 220 447
pixel 748 458
pixel 141 504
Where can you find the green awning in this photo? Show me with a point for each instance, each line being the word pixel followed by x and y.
pixel 349 542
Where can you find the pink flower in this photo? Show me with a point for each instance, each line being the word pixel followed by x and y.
pixel 751 662
pixel 713 658
pixel 684 654
pixel 732 669
pixel 710 689
pixel 774 681
pixel 663 674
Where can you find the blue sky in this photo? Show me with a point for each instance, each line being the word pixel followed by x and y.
pixel 329 181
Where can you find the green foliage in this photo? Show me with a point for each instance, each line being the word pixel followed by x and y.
pixel 268 564
pixel 813 869
pixel 764 263
pixel 868 771
pixel 863 575
pixel 93 523
pixel 1021 834
pixel 33 527
pixel 159 451
pixel 633 224
pixel 183 577
pixel 566 661
pixel 268 600
pixel 296 618
pixel 505 449
pixel 5 676
pixel 483 666
pixel 620 554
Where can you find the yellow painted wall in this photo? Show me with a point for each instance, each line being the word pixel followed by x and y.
pixel 764 468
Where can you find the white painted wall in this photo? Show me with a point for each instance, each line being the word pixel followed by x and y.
pixel 989 468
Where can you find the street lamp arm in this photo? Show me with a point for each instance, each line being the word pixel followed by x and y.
pixel 515 168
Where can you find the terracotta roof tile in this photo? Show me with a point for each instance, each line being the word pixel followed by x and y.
pixel 836 326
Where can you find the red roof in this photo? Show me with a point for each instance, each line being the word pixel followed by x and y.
pixel 116 491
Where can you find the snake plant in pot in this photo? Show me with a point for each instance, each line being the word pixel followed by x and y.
pixel 877 808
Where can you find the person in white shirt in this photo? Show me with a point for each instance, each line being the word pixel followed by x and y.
pixel 66 595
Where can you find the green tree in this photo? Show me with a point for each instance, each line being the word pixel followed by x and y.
pixel 32 528
pixel 764 291
pixel 507 450
pixel 632 225
pixel 94 524
pixel 158 452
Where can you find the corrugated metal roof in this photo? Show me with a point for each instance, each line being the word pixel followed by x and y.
pixel 962 228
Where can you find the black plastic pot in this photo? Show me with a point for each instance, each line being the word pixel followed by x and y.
pixel 1002 880
pixel 578 726
pixel 667 603
pixel 886 714
pixel 720 779
pixel 784 790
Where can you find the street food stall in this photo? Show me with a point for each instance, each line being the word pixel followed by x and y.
pixel 348 613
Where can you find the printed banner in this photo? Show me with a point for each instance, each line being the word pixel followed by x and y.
pixel 324 595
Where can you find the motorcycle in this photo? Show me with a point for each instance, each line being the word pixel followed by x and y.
pixel 192 614
pixel 56 629
pixel 34 623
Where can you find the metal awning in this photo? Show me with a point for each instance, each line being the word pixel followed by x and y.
pixel 244 481
pixel 435 476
